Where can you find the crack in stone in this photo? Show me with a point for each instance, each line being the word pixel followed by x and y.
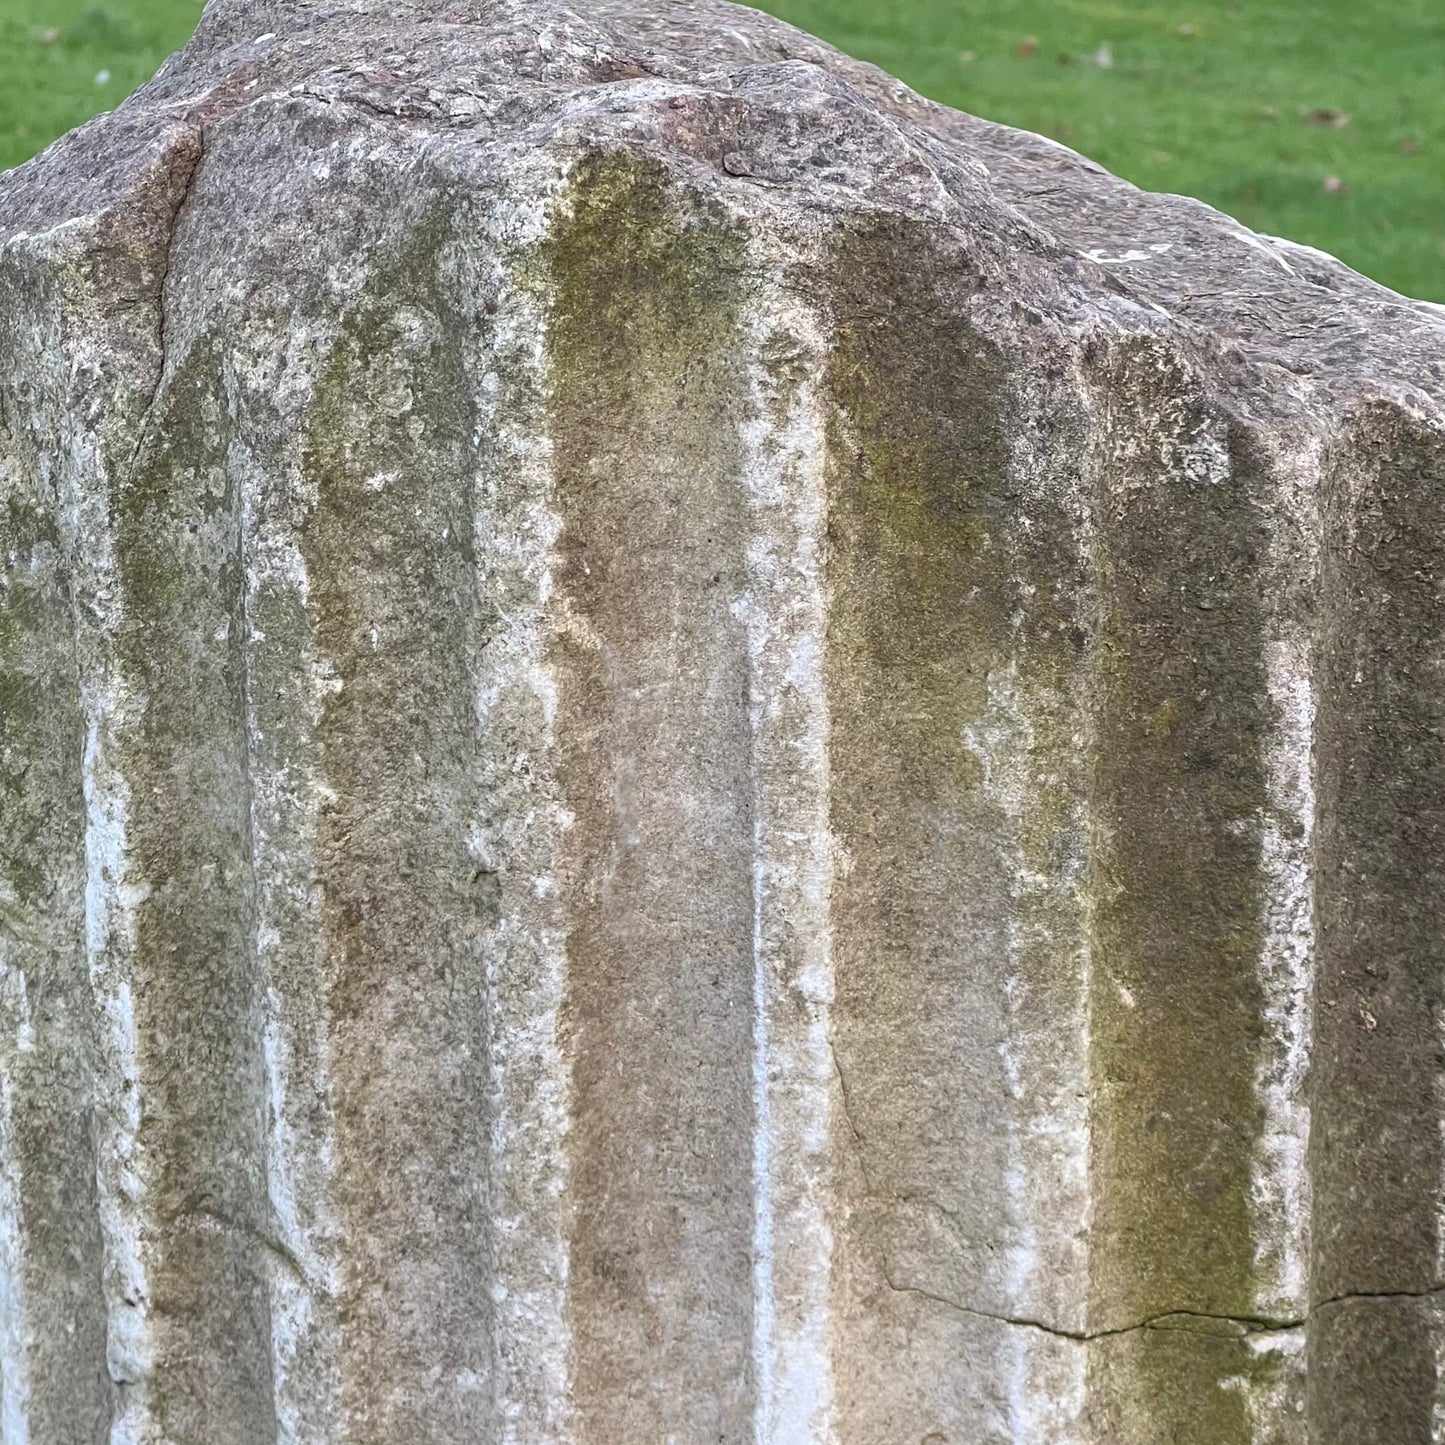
pixel 407 109
pixel 843 1089
pixel 1239 1326
pixel 858 1143
pixel 1164 1320
pixel 1176 1319
pixel 273 1244
pixel 191 168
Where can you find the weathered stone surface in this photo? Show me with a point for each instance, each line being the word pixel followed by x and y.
pixel 696 752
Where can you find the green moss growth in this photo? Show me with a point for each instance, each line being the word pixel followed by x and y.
pixel 920 610
pixel 950 582
pixel 641 290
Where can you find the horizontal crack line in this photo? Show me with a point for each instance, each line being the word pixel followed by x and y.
pixel 1175 1319
pixel 1163 1320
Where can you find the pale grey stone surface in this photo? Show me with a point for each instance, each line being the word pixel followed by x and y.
pixel 693 751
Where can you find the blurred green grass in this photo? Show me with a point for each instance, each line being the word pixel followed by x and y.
pixel 62 61
pixel 1320 120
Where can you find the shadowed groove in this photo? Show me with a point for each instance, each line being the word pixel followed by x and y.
pixel 918 619
pixel 1177 792
pixel 653 757
pixel 196 988
pixel 1376 1152
pixel 389 550
pixel 55 1387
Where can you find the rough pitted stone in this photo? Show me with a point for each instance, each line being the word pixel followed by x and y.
pixel 693 751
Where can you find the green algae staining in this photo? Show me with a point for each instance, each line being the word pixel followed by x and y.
pixel 972 621
pixel 645 284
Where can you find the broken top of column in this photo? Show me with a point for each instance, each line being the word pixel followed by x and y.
pixel 722 92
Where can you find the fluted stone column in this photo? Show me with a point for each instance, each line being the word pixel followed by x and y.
pixel 691 751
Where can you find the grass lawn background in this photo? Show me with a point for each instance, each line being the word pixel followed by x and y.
pixel 1320 120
